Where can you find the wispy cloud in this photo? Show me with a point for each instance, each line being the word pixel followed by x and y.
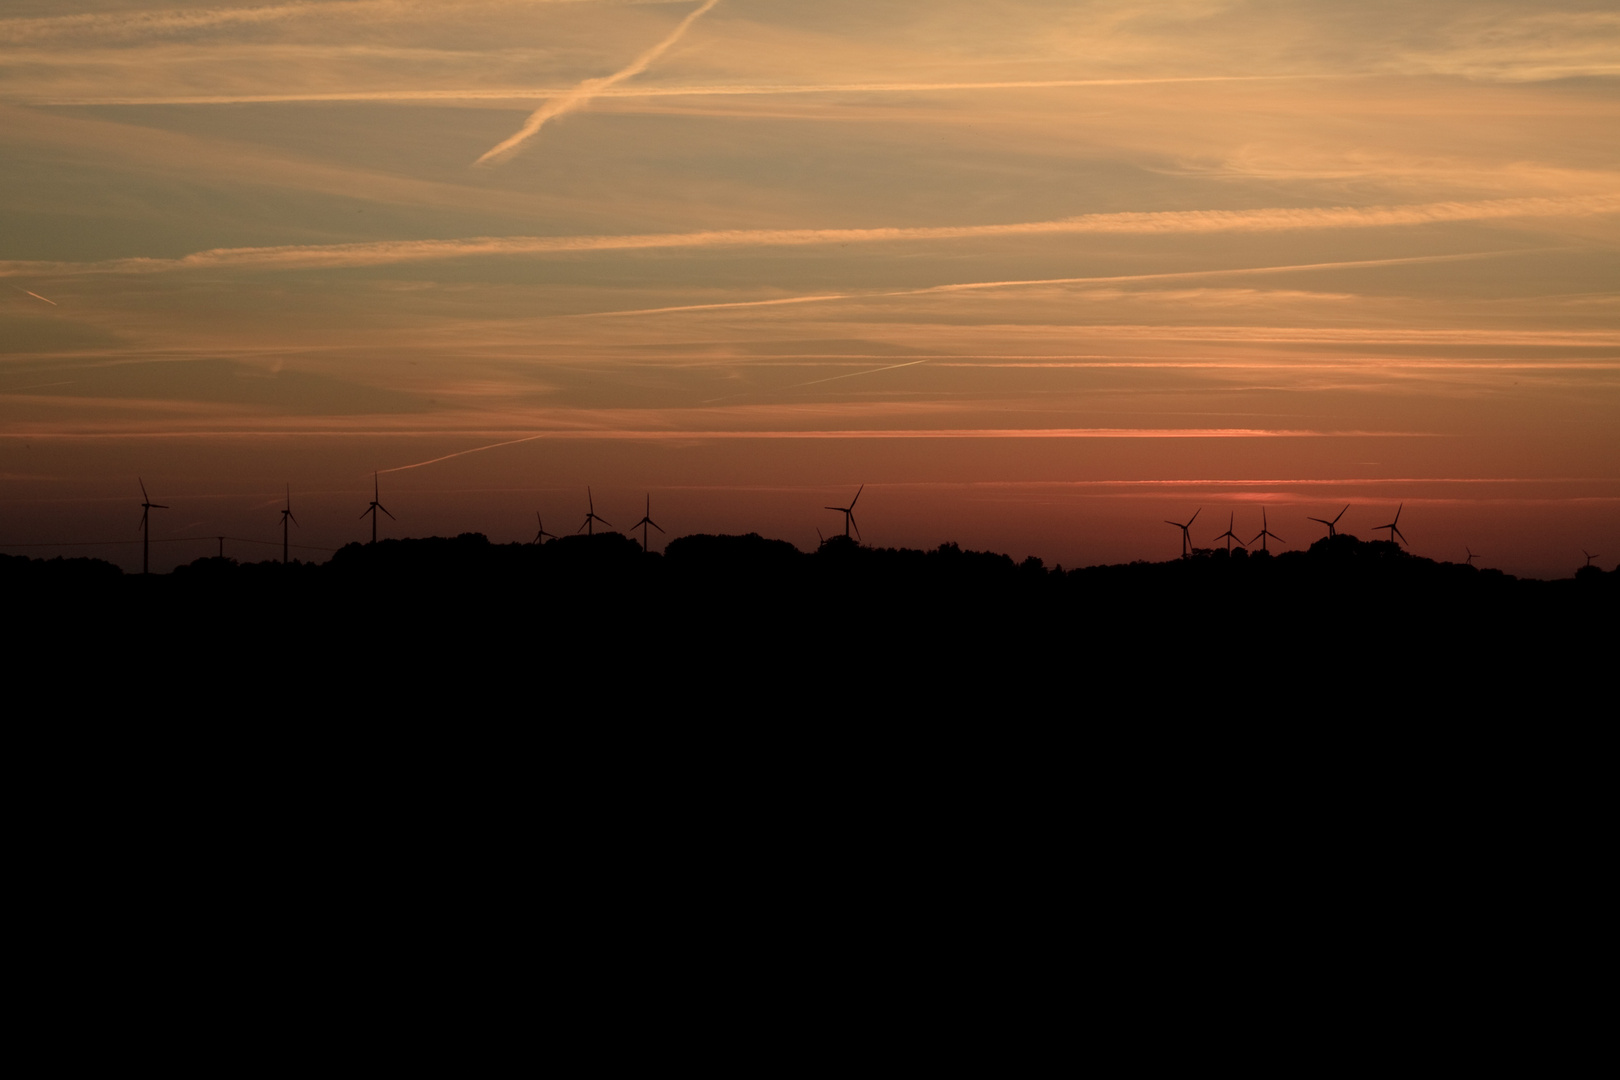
pixel 1167 222
pixel 520 93
pixel 120 25
pixel 590 88
pixel 918 433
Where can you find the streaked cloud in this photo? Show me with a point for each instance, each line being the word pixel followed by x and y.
pixel 614 92
pixel 1170 222
pixel 125 25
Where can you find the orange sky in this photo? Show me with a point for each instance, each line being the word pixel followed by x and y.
pixel 1039 274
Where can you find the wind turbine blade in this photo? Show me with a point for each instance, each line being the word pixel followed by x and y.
pixel 384 509
pixel 852 521
pixel 293 519
pixel 1194 518
pixel 144 495
pixel 1402 535
pixel 1341 513
pixel 366 511
pixel 159 506
pixel 857 497
pixel 654 524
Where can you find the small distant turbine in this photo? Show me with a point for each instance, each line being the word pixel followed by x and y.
pixel 590 517
pixel 1332 529
pixel 147 506
pixel 286 516
pixel 1471 556
pixel 1229 535
pixel 1393 530
pixel 540 536
pixel 849 513
pixel 645 521
pixel 1265 531
pixel 373 508
pixel 1186 537
pixel 1589 556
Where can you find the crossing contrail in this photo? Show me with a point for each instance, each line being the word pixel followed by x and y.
pixel 581 94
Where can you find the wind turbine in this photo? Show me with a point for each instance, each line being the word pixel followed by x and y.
pixel 646 521
pixel 1471 556
pixel 540 536
pixel 1393 531
pixel 1229 535
pixel 286 516
pixel 1589 556
pixel 147 506
pixel 591 517
pixel 1332 530
pixel 1265 531
pixel 849 513
pixel 1186 537
pixel 372 509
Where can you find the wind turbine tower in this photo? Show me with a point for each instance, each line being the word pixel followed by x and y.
pixel 1229 535
pixel 147 506
pixel 1393 530
pixel 1186 537
pixel 849 513
pixel 645 521
pixel 1265 531
pixel 1332 529
pixel 286 516
pixel 372 509
pixel 590 516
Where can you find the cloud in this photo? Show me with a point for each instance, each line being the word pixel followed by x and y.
pixel 918 433
pixel 519 93
pixel 172 21
pixel 582 94
pixel 1165 222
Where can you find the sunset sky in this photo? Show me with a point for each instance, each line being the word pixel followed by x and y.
pixel 1039 273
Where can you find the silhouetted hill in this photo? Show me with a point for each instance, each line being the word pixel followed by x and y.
pixel 945 625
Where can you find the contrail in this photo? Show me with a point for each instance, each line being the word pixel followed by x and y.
pixel 464 453
pixel 666 434
pixel 1157 222
pixel 1111 279
pixel 35 295
pixel 590 88
pixel 509 93
pixel 146 24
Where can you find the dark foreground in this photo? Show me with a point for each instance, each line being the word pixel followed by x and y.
pixel 724 625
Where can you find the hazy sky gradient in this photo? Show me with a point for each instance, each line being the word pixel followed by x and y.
pixel 1039 274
